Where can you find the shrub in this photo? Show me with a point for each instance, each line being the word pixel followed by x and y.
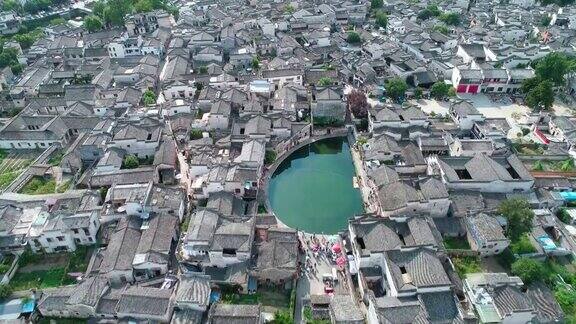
pixel 131 162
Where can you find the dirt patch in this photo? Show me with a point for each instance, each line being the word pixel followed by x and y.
pixel 48 262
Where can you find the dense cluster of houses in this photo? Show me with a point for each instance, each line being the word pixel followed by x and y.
pixel 170 191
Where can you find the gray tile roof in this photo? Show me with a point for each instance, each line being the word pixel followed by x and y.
pixel 422 269
pixel 193 289
pixel 145 301
pixel 234 314
pixel 345 309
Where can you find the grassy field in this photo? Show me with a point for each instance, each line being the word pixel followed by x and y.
pixel 32 273
pixel 12 165
pixel 456 243
pixel 465 265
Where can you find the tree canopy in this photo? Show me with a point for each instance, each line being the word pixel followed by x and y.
pixel 440 90
pixel 131 162
pixel 529 270
pixel 353 38
pixel 429 12
pixel 149 97
pixel 541 96
pixel 396 89
pixel 92 23
pixel 450 18
pixel 519 215
pixel 325 82
pixel 381 19
pixel 554 67
pixel 376 4
pixel 358 104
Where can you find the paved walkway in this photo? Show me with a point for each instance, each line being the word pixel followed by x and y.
pixel 317 264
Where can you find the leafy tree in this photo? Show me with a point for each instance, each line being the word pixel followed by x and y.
pixel 538 166
pixel 358 104
pixel 203 70
pixel 439 90
pixel 195 134
pixel 566 298
pixel 25 40
pixel 149 97
pixel 381 19
pixel 5 291
pixel 563 215
pixel 325 82
pixel 554 67
pixel 255 63
pixel 269 157
pixel 529 270
pixel 396 89
pixel 11 5
pixel 57 21
pixel 92 23
pixel 99 8
pixel 16 68
pixel 428 12
pixel 116 10
pixel 131 162
pixel 442 29
pixel 418 93
pixel 541 97
pixel 519 215
pixel 143 6
pixel 353 38
pixel 289 9
pixel 566 165
pixel 376 4
pixel 450 18
pixel 282 317
pixel 545 21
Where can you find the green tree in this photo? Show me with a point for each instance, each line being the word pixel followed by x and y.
pixel 541 97
pixel 418 93
pixel 538 166
pixel 442 29
pixel 519 216
pixel 545 21
pixel 428 12
pixel 143 6
pixel 529 270
pixel 255 63
pixel 16 68
pixel 99 9
pixel 5 291
pixel 325 82
pixel 381 19
pixel 116 10
pixel 131 162
pixel 57 21
pixel 566 165
pixel 149 97
pixel 440 90
pixel 566 298
pixel 289 9
pixel 376 4
pixel 282 317
pixel 92 23
pixel 25 40
pixel 396 89
pixel 203 69
pixel 450 18
pixel 554 67
pixel 353 38
pixel 11 5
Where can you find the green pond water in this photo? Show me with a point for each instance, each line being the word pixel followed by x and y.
pixel 312 189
